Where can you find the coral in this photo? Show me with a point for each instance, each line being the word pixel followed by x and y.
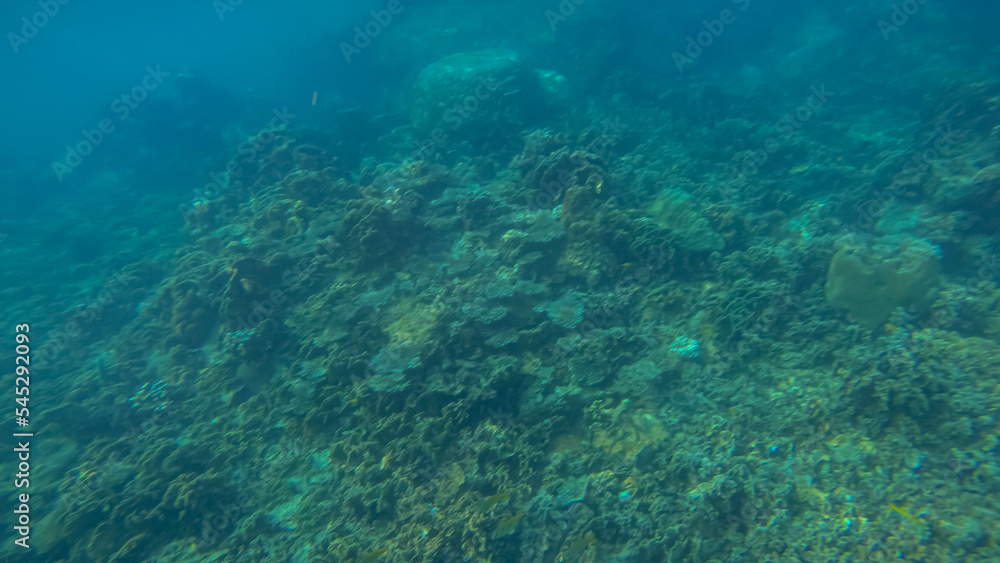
pixel 586 371
pixel 537 240
pixel 500 286
pixel 546 227
pixel 870 282
pixel 501 339
pixel 478 95
pixel 248 288
pixel 482 312
pixel 571 490
pixel 416 322
pixel 676 210
pixel 932 385
pixel 549 176
pixel 388 367
pixel 419 176
pixel 566 312
pixel 382 226
pixel 190 317
pixel 587 260
pixel 637 378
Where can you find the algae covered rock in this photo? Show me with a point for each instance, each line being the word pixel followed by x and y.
pixel 676 210
pixel 475 96
pixel 870 282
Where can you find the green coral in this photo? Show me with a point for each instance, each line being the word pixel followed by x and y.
pixel 872 282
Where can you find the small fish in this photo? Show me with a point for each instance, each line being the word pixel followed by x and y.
pixel 491 502
pixel 576 549
pixel 371 557
pixel 904 513
pixel 507 526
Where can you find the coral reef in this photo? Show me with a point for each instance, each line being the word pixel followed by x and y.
pixel 555 305
pixel 871 282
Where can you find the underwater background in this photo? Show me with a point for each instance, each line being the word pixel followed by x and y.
pixel 541 281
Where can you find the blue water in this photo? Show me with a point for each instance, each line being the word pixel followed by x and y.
pixel 404 280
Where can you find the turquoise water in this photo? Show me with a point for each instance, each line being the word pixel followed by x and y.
pixel 576 281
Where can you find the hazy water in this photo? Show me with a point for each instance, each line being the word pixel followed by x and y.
pixel 535 384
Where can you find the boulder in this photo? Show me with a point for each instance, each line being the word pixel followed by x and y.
pixel 476 96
